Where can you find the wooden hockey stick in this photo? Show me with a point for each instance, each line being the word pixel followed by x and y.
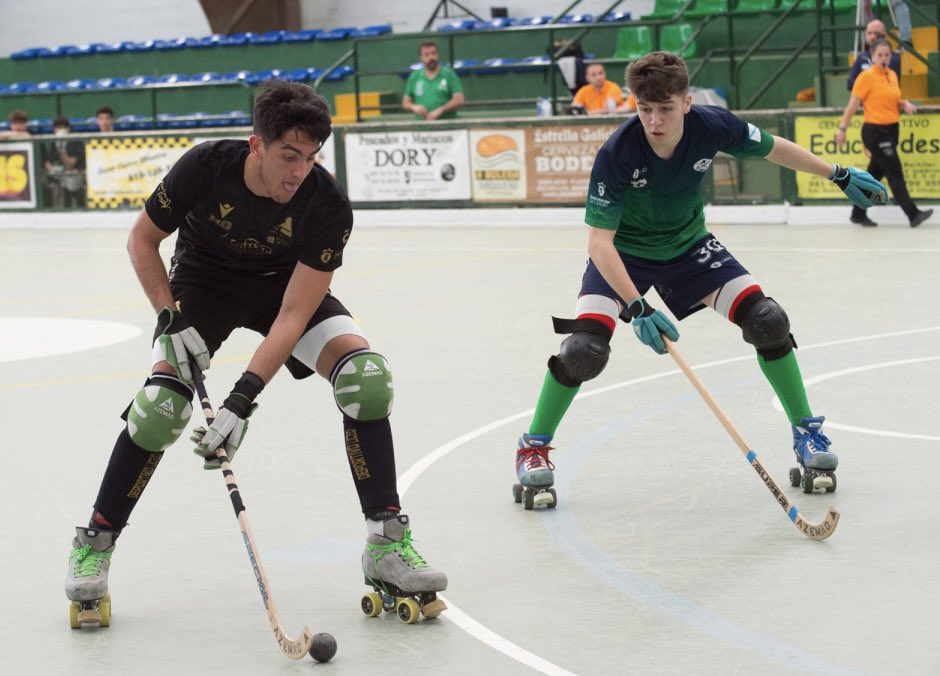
pixel 816 531
pixel 295 648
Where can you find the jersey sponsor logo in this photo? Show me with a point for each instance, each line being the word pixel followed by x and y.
pixel 163 198
pixel 225 209
pixel 281 233
pixel 753 133
pixel 326 256
pixel 247 246
pixel 702 165
pixel 345 236
pixel 601 188
pixel 638 182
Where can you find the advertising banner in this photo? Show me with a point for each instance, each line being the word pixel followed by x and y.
pixel 918 148
pixel 124 171
pixel 497 163
pixel 17 184
pixel 559 160
pixel 404 166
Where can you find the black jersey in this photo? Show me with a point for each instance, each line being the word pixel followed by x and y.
pixel 224 227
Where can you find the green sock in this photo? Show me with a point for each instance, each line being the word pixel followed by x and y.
pixel 784 376
pixel 554 401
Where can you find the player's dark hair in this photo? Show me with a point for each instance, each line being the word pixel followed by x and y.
pixel 18 115
pixel 281 106
pixel 61 122
pixel 427 43
pixel 880 42
pixel 104 110
pixel 657 77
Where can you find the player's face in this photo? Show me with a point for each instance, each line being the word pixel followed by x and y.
pixel 595 75
pixel 873 31
pixel 663 121
pixel 285 163
pixel 881 57
pixel 430 58
pixel 105 122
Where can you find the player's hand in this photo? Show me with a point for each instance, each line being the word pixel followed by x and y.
pixel 420 110
pixel 650 324
pixel 178 343
pixel 840 137
pixel 231 422
pixel 859 186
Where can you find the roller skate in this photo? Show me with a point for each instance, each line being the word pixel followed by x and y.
pixel 817 470
pixel 534 470
pixel 401 580
pixel 86 585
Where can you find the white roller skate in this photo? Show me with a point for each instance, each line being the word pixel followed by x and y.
pixel 86 585
pixel 817 470
pixel 402 581
pixel 534 470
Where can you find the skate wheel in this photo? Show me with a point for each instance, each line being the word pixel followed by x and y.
pixel 371 604
pixel 432 609
pixel 528 498
pixel 74 607
pixel 795 476
pixel 517 492
pixel 554 503
pixel 832 488
pixel 408 610
pixel 104 610
pixel 808 483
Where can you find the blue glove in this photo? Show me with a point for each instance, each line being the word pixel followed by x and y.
pixel 648 324
pixel 859 186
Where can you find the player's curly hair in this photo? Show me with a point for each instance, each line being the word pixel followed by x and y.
pixel 281 106
pixel 657 77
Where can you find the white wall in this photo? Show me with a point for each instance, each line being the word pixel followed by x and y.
pixel 48 23
pixel 408 16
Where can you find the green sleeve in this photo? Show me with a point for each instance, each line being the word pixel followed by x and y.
pixel 410 84
pixel 751 147
pixel 454 81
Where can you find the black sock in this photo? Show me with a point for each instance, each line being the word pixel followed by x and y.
pixel 129 471
pixel 371 456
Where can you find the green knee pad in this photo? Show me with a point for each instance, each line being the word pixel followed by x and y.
pixel 362 387
pixel 157 416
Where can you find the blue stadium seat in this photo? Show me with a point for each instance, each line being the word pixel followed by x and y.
pixel 204 42
pixel 236 76
pixel 40 126
pixel 22 88
pixel 340 73
pixel 140 80
pixel 51 86
pixel 371 31
pixel 61 50
pixel 80 50
pixel 269 38
pixel 113 48
pixel 83 124
pixel 306 35
pixel 111 83
pixel 235 39
pixel 130 46
pixel 208 76
pixel 169 45
pixel 260 76
pixel 172 78
pixel 462 66
pixel 169 121
pixel 132 122
pixel 455 26
pixel 336 33
pixel 535 21
pixel 531 64
pixel 615 17
pixel 495 65
pixel 24 54
pixel 298 74
pixel 577 18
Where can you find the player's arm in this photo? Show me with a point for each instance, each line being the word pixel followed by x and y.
pixel 305 291
pixel 850 109
pixel 455 102
pixel 143 246
pixel 602 251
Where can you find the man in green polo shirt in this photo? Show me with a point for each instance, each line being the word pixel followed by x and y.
pixel 433 92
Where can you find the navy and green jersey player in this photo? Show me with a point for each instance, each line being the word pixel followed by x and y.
pixel 260 230
pixel 647 230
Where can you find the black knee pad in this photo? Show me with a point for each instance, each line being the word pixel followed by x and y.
pixel 583 354
pixel 766 326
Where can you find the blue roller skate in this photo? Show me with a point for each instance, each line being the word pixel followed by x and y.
pixel 818 464
pixel 534 470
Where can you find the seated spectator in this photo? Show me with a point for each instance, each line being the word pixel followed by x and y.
pixel 19 124
pixel 601 96
pixel 63 165
pixel 104 116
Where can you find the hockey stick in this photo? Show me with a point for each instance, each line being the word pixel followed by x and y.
pixel 816 531
pixel 294 648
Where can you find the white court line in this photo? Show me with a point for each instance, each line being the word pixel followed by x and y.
pixel 479 631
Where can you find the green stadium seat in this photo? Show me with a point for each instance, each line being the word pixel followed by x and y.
pixel 755 5
pixel 673 36
pixel 633 42
pixel 663 9
pixel 703 8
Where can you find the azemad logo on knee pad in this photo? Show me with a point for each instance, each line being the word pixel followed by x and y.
pixel 363 388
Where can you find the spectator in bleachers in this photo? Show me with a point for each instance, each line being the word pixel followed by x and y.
pixel 104 116
pixel 874 30
pixel 19 124
pixel 433 92
pixel 63 167
pixel 601 96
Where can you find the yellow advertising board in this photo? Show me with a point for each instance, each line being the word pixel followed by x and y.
pixel 918 148
pixel 124 171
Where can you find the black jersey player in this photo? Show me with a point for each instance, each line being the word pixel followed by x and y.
pixel 260 229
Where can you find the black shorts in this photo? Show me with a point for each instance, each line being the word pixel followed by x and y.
pixel 682 282
pixel 217 306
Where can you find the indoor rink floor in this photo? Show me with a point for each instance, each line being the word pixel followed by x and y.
pixel 665 555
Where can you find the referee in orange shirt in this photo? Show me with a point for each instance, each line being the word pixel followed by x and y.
pixel 879 90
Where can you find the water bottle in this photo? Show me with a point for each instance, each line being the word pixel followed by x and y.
pixel 543 107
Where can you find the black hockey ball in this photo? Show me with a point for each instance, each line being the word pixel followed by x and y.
pixel 323 647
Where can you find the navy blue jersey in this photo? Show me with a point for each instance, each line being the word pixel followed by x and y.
pixel 225 228
pixel 655 205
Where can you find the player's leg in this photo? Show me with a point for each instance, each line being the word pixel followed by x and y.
pixel 884 139
pixel 765 325
pixel 335 347
pixel 859 215
pixel 154 420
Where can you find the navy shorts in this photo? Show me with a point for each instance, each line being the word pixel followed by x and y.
pixel 682 282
